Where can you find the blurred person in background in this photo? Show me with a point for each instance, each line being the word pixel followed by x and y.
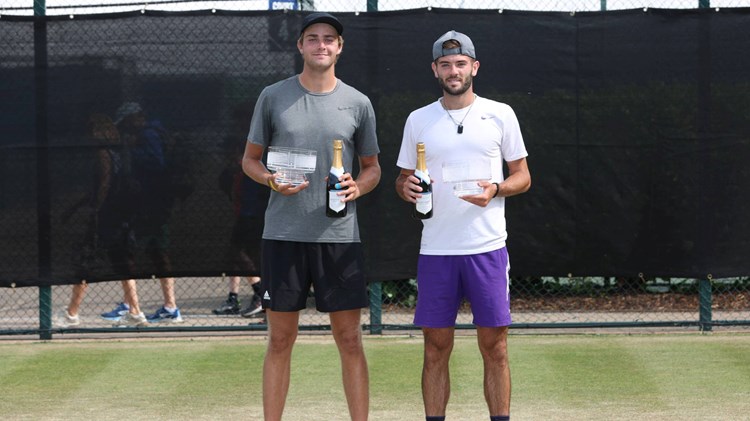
pixel 109 237
pixel 149 142
pixel 249 200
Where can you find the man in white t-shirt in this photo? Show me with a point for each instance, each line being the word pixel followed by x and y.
pixel 463 253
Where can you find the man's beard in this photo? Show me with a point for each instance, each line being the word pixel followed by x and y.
pixel 457 91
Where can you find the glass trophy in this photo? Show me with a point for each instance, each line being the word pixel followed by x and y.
pixel 291 164
pixel 465 175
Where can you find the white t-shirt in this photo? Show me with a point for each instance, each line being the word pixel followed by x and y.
pixel 491 134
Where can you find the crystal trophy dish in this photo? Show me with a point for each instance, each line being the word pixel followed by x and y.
pixel 291 164
pixel 465 175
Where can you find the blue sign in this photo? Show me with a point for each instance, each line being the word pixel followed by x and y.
pixel 282 4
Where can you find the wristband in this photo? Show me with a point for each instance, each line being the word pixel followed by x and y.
pixel 497 187
pixel 270 184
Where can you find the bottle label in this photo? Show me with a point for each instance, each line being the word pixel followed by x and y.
pixel 334 201
pixel 424 203
pixel 425 176
pixel 338 172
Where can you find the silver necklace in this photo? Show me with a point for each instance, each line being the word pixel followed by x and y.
pixel 459 124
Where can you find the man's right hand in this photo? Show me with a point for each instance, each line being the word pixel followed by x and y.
pixel 286 189
pixel 407 186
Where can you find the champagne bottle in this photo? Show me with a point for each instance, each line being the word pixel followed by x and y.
pixel 423 208
pixel 335 208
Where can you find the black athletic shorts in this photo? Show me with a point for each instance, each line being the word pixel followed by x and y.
pixel 335 271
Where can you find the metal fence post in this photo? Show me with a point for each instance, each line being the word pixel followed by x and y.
pixel 376 288
pixel 45 312
pixel 704 306
pixel 43 192
pixel 376 308
pixel 704 4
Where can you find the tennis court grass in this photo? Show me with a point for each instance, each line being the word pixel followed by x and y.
pixel 556 377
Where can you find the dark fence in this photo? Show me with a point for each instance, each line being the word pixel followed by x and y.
pixel 637 125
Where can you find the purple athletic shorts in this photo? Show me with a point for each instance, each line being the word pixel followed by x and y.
pixel 444 281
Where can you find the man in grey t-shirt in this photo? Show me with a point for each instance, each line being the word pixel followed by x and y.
pixel 301 246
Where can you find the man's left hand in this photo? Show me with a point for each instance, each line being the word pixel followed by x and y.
pixel 482 199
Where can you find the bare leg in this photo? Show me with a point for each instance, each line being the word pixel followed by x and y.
pixel 76 298
pixel 494 348
pixel 130 293
pixel 163 262
pixel 436 383
pixel 253 279
pixel 167 290
pixel 348 335
pixel 234 284
pixel 282 332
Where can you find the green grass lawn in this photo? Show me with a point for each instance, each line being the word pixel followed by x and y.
pixel 558 377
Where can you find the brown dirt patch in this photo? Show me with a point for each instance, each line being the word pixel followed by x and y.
pixel 737 301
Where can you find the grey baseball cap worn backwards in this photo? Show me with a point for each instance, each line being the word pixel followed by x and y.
pixel 322 18
pixel 466 46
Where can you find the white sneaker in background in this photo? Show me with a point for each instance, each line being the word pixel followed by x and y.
pixel 131 320
pixel 64 319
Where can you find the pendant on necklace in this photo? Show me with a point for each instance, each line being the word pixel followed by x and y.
pixel 460 128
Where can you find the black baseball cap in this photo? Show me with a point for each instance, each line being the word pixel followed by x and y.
pixel 321 17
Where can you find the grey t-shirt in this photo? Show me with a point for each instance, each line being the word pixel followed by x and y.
pixel 288 115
